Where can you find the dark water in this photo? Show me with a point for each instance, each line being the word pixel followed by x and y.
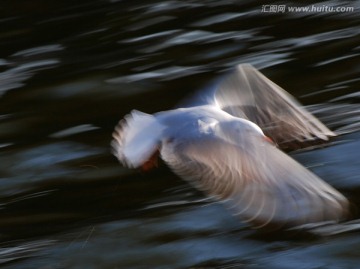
pixel 69 70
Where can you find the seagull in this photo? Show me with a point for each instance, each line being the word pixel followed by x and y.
pixel 227 141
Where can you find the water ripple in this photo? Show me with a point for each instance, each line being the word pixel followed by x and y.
pixel 39 50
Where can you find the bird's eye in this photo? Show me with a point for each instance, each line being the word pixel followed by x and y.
pixel 169 140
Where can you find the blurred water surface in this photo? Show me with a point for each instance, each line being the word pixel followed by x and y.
pixel 69 70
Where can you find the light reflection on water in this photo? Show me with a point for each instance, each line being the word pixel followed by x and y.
pixel 69 72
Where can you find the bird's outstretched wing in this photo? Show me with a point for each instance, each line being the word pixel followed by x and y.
pixel 256 180
pixel 246 93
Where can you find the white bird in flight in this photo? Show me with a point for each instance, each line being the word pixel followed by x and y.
pixel 218 143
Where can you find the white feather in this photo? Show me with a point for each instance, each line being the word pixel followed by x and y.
pixel 136 138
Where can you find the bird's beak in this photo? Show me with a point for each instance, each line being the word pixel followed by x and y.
pixel 151 163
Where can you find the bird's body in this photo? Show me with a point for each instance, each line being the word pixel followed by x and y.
pixel 218 144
